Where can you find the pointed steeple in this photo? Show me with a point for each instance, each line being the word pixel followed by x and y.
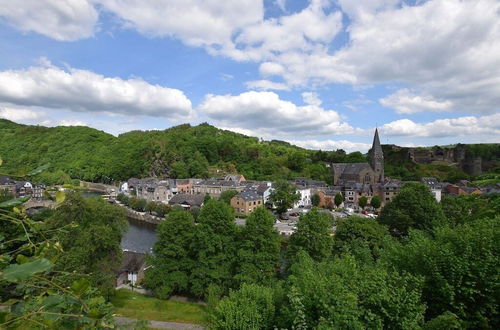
pixel 376 147
pixel 376 157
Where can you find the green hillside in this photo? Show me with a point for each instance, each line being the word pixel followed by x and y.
pixel 182 151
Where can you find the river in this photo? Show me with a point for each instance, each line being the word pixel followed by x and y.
pixel 140 236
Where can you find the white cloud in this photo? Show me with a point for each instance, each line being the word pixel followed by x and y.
pixel 86 91
pixel 311 98
pixel 469 126
pixel 265 114
pixel 198 23
pixel 18 114
pixel 266 85
pixel 348 146
pixel 404 101
pixel 72 122
pixel 64 20
pixel 446 51
pixel 296 32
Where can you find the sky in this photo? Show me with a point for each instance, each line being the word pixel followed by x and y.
pixel 321 74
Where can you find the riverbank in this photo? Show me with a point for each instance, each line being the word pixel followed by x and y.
pixel 140 216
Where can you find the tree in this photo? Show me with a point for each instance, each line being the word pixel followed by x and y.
pixel 313 235
pixel 362 202
pixel 339 199
pixel 355 233
pixel 38 298
pixel 259 249
pixel 172 261
pixel 413 207
pixel 91 241
pixel 251 307
pixel 375 202
pixel 206 198
pixel 468 208
pixel 460 270
pixel 283 196
pixel 215 248
pixel 227 195
pixel 315 199
pixel 346 294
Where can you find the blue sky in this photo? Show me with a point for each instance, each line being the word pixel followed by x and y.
pixel 321 74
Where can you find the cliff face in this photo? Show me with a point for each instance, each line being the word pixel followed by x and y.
pixel 467 162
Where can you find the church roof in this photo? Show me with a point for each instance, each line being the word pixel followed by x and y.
pixel 355 168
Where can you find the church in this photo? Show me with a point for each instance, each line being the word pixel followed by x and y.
pixel 371 172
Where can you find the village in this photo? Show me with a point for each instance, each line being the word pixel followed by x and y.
pixel 358 188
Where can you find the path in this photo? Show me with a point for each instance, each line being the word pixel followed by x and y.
pixel 159 324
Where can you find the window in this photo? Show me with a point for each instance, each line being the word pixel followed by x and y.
pixel 254 203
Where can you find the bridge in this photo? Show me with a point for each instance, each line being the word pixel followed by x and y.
pixel 38 203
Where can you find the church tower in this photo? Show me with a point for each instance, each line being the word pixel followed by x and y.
pixel 377 158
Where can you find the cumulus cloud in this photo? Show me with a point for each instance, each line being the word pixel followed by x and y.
pixel 484 126
pixel 86 91
pixel 64 20
pixel 266 114
pixel 198 23
pixel 348 146
pixel 19 115
pixel 404 101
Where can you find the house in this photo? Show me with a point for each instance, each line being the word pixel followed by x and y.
pixel 184 186
pixel 132 268
pixel 235 178
pixel 214 187
pixel 387 190
pixel 434 185
pixel 38 191
pixel 262 188
pixel 246 202
pixel 305 196
pixel 8 184
pixel 187 201
pixel 372 172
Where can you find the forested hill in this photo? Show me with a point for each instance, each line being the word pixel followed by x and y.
pixel 182 151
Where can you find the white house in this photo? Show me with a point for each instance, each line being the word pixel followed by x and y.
pixel 305 197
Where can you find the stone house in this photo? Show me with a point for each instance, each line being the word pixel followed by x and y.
pixel 214 187
pixel 246 202
pixel 8 184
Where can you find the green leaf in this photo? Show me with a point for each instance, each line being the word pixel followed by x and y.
pixel 14 202
pixel 39 169
pixel 16 273
pixel 79 287
pixel 60 197
pixel 1 161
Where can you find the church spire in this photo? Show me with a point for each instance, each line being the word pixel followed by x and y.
pixel 376 147
pixel 377 158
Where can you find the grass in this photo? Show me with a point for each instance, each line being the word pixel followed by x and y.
pixel 135 305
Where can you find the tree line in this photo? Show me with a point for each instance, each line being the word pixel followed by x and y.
pixel 421 265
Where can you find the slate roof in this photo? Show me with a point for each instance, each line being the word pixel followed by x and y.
pixel 4 180
pixel 355 168
pixel 249 195
pixel 132 261
pixel 187 199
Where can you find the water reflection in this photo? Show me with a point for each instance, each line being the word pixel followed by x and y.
pixel 140 236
